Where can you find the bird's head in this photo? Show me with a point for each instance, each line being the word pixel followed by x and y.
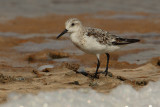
pixel 72 25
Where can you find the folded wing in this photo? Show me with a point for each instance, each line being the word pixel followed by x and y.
pixel 123 41
pixel 105 38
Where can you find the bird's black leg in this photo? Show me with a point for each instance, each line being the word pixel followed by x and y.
pixel 98 65
pixel 106 71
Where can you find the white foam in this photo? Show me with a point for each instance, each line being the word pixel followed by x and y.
pixel 122 96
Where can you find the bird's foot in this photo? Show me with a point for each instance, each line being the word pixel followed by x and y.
pixel 96 76
pixel 106 72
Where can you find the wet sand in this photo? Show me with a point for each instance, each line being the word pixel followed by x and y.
pixel 26 44
pixel 104 20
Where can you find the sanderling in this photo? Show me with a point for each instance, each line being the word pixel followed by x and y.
pixel 93 40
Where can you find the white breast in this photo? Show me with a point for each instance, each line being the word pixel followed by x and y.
pixel 75 38
pixel 90 44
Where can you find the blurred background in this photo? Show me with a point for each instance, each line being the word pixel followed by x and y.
pixel 45 19
pixel 33 8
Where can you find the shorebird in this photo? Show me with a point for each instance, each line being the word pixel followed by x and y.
pixel 93 40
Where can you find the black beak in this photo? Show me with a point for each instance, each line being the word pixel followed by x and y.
pixel 65 31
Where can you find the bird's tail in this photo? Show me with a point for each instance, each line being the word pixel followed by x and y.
pixel 123 41
pixel 131 40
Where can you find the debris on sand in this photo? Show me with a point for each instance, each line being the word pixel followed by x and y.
pixel 158 63
pixel 74 83
pixel 7 79
pixel 37 73
pixel 46 55
pixel 57 55
pixel 73 67
pixel 44 68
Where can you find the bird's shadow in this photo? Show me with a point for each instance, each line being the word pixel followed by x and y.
pixel 91 75
pixel 75 68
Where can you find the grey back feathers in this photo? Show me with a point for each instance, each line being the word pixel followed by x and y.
pixel 104 37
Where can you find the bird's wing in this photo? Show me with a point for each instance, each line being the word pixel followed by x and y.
pixel 123 41
pixel 104 37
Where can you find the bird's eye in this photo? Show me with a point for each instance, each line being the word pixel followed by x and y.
pixel 72 24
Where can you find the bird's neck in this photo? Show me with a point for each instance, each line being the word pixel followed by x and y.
pixel 77 36
pixel 80 29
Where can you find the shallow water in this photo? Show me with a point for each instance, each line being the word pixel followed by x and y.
pixel 50 44
pixel 152 45
pixel 26 36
